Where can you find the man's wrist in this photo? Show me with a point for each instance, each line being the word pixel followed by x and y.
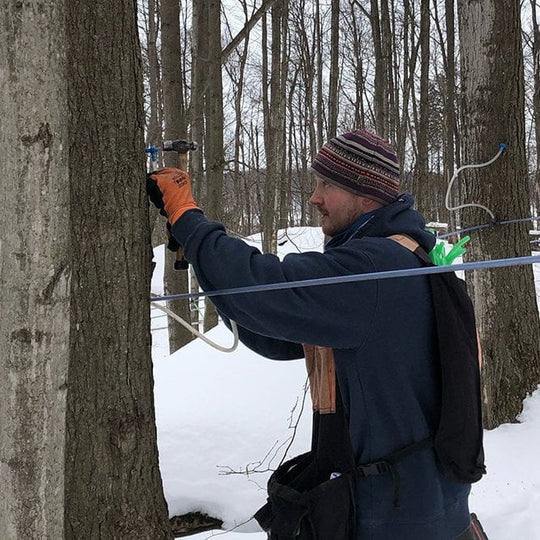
pixel 187 223
pixel 178 213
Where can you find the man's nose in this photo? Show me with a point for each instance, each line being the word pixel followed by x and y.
pixel 315 198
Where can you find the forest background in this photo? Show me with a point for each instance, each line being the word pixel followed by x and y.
pixel 260 86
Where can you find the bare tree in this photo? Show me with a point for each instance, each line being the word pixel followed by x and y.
pixel 354 64
pixel 447 41
pixel 319 68
pixel 334 70
pixel 381 103
pixel 274 120
pixel 155 120
pixel 176 281
pixel 236 72
pixel 421 184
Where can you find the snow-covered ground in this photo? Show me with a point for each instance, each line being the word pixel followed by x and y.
pixel 225 419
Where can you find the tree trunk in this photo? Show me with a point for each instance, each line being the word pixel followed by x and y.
pixel 214 154
pixel 35 269
pixel 387 42
pixel 450 125
pixel 380 103
pixel 154 135
pixel 285 198
pixel 214 113
pixel 358 68
pixel 421 179
pixel 535 191
pixel 199 45
pixel 493 112
pixel 333 108
pixel 113 487
pixel 238 175
pixel 319 69
pixel 176 281
pixel 274 131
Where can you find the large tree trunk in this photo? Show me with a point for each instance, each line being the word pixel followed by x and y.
pixel 493 112
pixel 113 487
pixel 34 269
pixel 535 190
pixel 79 456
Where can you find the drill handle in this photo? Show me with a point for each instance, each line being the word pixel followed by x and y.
pixel 180 263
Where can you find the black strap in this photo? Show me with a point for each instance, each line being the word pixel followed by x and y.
pixel 422 254
pixel 388 464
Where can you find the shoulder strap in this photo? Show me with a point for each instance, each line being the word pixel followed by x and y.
pixel 458 441
pixel 411 245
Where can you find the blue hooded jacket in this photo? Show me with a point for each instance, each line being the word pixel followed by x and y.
pixel 383 336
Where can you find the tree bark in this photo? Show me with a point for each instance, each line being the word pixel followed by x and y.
pixel 176 281
pixel 319 69
pixel 381 74
pixel 35 269
pixel 274 129
pixel 79 456
pixel 450 126
pixel 214 153
pixel 422 188
pixel 154 127
pixel 113 487
pixel 199 45
pixel 388 47
pixel 357 67
pixel 493 112
pixel 535 192
pixel 333 101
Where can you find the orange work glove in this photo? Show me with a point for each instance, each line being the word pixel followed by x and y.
pixel 170 190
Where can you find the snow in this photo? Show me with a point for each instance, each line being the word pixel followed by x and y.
pixel 224 420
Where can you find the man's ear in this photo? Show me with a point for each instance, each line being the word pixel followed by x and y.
pixel 368 205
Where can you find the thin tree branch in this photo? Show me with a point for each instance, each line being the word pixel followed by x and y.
pixel 247 28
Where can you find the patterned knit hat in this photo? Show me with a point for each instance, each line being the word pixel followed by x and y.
pixel 362 163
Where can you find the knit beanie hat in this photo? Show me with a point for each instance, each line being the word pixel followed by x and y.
pixel 362 163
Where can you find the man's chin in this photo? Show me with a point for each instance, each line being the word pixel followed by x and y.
pixel 331 229
pixel 328 230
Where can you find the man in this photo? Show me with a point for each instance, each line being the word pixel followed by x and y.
pixel 381 334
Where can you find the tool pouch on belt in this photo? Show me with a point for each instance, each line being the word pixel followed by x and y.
pixel 312 496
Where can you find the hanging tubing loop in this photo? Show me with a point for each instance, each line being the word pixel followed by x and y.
pixel 198 334
pixel 502 146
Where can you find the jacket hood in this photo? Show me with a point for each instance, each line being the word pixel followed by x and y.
pixel 394 218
